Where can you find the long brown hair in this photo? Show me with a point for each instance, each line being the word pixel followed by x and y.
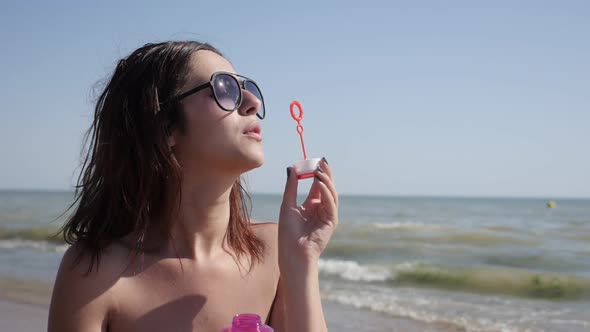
pixel 129 183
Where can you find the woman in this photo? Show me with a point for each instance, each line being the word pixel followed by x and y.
pixel 161 236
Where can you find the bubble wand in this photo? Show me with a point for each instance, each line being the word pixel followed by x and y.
pixel 306 167
pixel 299 125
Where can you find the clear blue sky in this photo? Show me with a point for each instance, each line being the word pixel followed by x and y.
pixel 465 98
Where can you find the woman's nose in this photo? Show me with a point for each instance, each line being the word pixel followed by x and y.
pixel 250 103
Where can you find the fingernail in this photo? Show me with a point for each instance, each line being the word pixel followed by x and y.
pixel 324 159
pixel 318 178
pixel 288 172
pixel 321 170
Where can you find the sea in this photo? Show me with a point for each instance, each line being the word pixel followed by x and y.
pixel 465 264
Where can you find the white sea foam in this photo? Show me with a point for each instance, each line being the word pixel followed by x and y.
pixel 28 244
pixel 406 225
pixel 351 270
pixel 411 265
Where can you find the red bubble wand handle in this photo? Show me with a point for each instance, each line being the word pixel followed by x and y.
pixel 299 126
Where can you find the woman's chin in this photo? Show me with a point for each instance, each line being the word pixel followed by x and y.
pixel 252 160
pixel 258 161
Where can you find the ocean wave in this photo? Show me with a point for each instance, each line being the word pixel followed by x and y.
pixel 406 225
pixel 496 280
pixel 351 270
pixel 43 234
pixel 480 279
pixel 28 244
pixel 433 234
pixel 19 215
pixel 482 238
pixel 390 305
pixel 351 249
pixel 502 228
pixel 485 279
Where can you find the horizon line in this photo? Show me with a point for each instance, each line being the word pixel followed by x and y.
pixel 347 194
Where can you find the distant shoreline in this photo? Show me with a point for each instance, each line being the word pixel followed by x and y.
pixel 349 195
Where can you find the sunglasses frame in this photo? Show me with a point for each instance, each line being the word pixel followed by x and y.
pixel 241 84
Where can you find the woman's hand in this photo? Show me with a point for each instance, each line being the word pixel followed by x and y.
pixel 305 230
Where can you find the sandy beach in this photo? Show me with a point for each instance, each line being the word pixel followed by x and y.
pixel 21 317
pixel 23 305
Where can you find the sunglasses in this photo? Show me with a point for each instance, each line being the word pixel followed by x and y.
pixel 227 90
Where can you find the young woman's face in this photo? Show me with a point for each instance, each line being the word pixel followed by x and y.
pixel 214 140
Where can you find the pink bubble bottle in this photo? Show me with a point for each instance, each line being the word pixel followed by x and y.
pixel 247 323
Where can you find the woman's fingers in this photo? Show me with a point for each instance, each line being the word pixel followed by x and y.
pixel 290 194
pixel 314 193
pixel 328 201
pixel 325 177
pixel 324 165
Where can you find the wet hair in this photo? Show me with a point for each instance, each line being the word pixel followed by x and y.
pixel 129 182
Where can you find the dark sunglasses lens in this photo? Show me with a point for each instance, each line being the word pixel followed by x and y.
pixel 227 91
pixel 253 89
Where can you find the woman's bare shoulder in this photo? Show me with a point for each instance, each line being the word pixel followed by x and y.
pixel 112 262
pixel 82 294
pixel 268 232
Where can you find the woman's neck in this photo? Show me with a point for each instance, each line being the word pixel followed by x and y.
pixel 199 226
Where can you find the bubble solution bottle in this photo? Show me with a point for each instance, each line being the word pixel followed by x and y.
pixel 247 323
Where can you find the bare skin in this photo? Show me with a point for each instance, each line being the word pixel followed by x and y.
pixel 191 281
pixel 160 295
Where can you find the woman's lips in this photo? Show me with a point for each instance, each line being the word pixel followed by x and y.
pixel 255 136
pixel 254 132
